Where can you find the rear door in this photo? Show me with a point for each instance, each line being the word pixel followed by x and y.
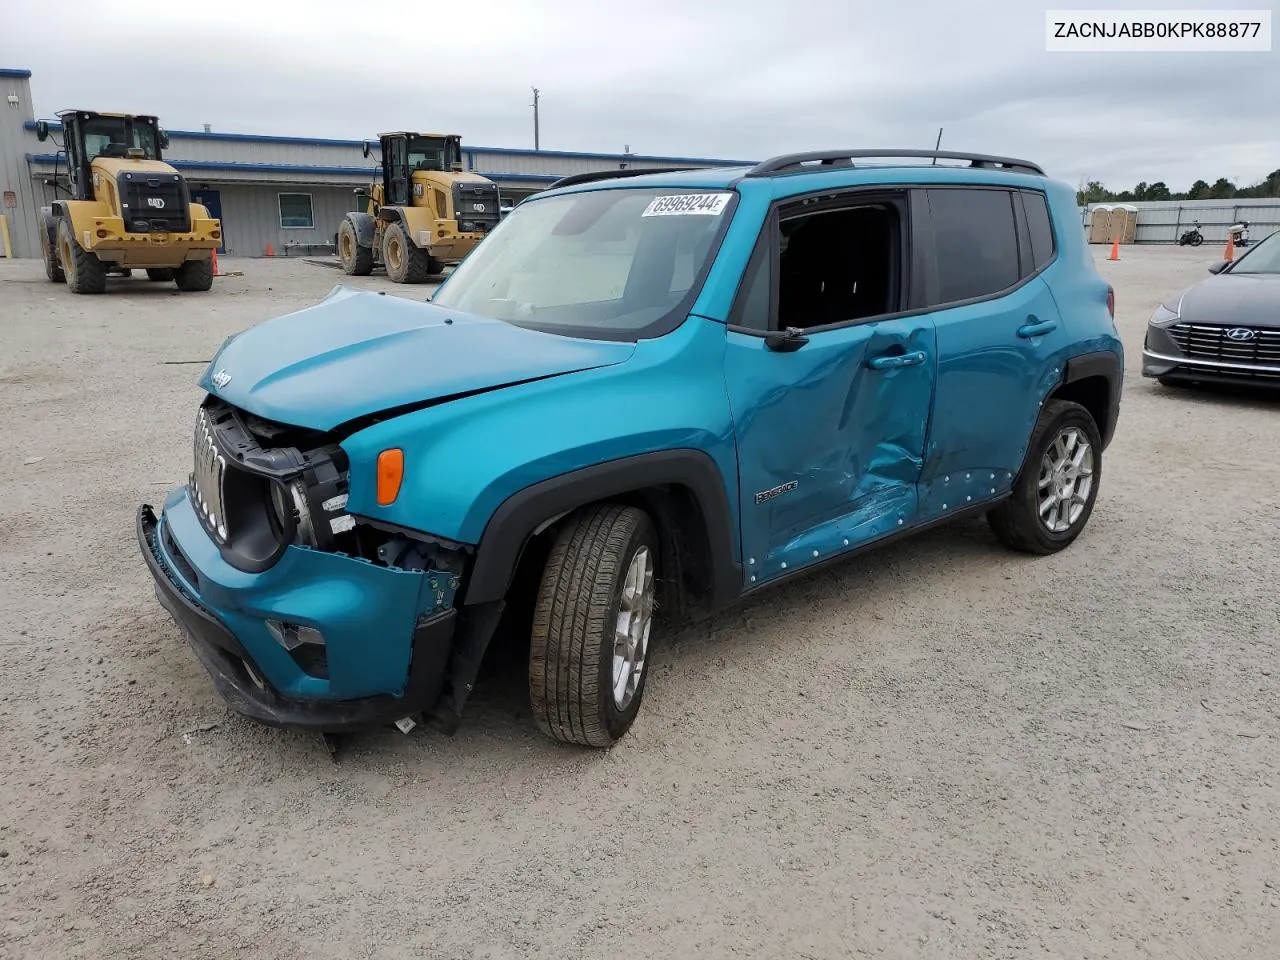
pixel 1000 337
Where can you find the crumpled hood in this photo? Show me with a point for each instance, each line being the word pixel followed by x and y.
pixel 1242 299
pixel 357 353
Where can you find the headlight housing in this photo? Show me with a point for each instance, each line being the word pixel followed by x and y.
pixel 1163 316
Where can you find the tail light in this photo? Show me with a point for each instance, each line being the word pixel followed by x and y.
pixel 1111 302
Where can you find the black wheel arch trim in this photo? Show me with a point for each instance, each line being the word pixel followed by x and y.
pixel 1106 364
pixel 526 512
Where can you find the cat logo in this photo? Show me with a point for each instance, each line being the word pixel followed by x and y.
pixel 157 202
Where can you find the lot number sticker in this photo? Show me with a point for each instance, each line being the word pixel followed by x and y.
pixel 707 204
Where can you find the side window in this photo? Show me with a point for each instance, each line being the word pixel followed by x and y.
pixel 752 307
pixel 975 241
pixel 840 265
pixel 1040 227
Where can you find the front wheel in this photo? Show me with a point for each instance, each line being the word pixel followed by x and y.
pixel 590 646
pixel 1196 239
pixel 85 273
pixel 1053 497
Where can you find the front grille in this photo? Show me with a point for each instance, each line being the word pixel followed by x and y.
pixel 1211 342
pixel 154 202
pixel 208 477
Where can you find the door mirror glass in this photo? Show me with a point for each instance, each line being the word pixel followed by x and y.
pixel 42 130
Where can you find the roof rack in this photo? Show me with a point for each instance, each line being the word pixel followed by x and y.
pixel 830 158
pixel 576 178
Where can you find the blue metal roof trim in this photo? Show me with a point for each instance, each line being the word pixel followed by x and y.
pixel 227 167
pixel 507 151
pixel 15 72
pixel 626 157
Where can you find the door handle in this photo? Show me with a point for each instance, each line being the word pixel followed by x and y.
pixel 1035 327
pixel 891 361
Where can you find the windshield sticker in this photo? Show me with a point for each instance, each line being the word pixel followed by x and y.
pixel 707 204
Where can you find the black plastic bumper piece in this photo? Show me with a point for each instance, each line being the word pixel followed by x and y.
pixel 229 663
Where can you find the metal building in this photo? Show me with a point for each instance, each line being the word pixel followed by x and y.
pixel 283 194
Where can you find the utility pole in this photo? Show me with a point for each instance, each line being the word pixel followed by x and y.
pixel 535 118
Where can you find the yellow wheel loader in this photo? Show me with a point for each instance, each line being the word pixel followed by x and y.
pixel 124 207
pixel 425 213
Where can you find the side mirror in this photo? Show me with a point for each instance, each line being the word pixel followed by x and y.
pixel 366 149
pixel 164 139
pixel 42 130
pixel 786 341
pixel 1220 266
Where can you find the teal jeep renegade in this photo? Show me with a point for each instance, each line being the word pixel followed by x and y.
pixel 644 391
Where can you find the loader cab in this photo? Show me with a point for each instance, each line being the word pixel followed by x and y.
pixel 87 135
pixel 405 153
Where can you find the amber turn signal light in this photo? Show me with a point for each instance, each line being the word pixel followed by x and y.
pixel 390 474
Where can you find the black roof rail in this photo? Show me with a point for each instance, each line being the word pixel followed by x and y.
pixel 827 158
pixel 576 178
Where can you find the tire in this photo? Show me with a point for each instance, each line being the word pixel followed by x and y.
pixel 576 615
pixel 404 262
pixel 160 274
pixel 357 261
pixel 194 275
pixel 85 273
pixel 1018 522
pixel 49 249
pixel 1196 239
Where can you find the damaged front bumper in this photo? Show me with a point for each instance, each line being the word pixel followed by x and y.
pixel 381 661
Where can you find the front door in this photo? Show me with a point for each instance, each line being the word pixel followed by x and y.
pixel 212 201
pixel 830 431
pixel 396 158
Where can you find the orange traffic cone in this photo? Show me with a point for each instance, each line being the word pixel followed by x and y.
pixel 215 262
pixel 1230 252
pixel 271 251
pixel 1115 249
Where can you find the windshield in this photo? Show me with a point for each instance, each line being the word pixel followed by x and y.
pixel 113 136
pixel 1264 258
pixel 429 153
pixel 606 263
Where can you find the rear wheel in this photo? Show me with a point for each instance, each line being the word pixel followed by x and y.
pixel 405 263
pixel 159 274
pixel 590 646
pixel 357 261
pixel 85 273
pixel 1053 497
pixel 195 275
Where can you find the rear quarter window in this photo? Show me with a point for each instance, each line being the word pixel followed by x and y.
pixel 1040 226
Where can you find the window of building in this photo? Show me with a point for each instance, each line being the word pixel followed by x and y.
pixel 296 211
pixel 975 241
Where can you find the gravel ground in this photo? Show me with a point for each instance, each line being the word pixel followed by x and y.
pixel 938 750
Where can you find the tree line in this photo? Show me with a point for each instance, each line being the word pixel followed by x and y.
pixel 1094 191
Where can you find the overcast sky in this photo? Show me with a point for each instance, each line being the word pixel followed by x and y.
pixel 706 78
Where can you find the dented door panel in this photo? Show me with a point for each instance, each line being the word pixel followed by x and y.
pixel 830 445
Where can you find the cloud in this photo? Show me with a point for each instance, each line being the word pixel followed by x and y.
pixel 739 80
